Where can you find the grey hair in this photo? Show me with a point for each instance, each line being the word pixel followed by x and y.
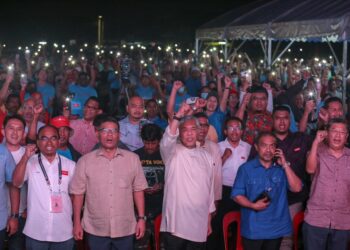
pixel 188 118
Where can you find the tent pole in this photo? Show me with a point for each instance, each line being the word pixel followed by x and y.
pixel 264 50
pixel 283 51
pixel 269 50
pixel 333 53
pixel 234 53
pixel 197 47
pixel 345 66
pixel 225 50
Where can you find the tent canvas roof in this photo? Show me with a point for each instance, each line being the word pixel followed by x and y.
pixel 304 20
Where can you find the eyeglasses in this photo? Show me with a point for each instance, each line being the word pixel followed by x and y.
pixel 203 125
pixel 106 131
pixel 46 139
pixel 91 107
pixel 233 129
pixel 342 133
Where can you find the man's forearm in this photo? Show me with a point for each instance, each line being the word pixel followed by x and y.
pixel 78 200
pixel 139 200
pixel 243 201
pixel 14 198
pixel 293 180
pixel 311 160
pixel 19 173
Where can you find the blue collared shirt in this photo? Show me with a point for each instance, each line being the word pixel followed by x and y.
pixel 7 166
pixel 217 119
pixel 274 221
pixel 130 134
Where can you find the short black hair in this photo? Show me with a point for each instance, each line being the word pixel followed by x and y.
pixel 201 115
pixel 10 96
pixel 258 89
pixel 332 99
pixel 263 134
pixel 16 117
pixel 337 120
pixel 92 98
pixel 150 101
pixel 235 119
pixel 102 118
pixel 47 126
pixel 151 132
pixel 280 108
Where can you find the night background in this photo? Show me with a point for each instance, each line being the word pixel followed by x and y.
pixel 25 22
pixel 128 20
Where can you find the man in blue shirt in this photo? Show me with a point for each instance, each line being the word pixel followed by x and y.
pixel 7 224
pixel 82 91
pixel 261 189
pixel 193 83
pixel 45 89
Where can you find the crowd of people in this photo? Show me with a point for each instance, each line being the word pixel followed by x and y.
pixel 95 147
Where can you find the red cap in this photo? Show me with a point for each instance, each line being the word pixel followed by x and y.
pixel 60 121
pixel 233 92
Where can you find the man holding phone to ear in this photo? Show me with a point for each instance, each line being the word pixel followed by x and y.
pixel 261 189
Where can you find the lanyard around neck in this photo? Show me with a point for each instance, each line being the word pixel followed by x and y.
pixel 47 177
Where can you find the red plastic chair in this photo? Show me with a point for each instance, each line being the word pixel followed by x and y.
pixel 229 218
pixel 297 220
pixel 157 222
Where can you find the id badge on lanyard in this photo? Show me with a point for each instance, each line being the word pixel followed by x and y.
pixel 56 204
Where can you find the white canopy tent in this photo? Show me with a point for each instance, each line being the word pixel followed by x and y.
pixel 284 20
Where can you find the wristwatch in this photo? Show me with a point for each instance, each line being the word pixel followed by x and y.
pixel 288 163
pixel 176 117
pixel 141 218
pixel 16 216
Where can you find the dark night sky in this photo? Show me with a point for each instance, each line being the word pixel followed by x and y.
pixel 131 20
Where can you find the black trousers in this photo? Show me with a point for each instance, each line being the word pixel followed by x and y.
pixel 216 239
pixel 172 242
pixel 273 244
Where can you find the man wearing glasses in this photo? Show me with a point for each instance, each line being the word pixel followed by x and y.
pixel 327 215
pixel 234 153
pixel 84 138
pixel 113 182
pixel 49 207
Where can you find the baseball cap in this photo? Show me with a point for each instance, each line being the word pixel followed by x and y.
pixel 60 121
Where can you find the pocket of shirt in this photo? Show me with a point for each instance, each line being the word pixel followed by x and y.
pixel 122 183
pixel 276 180
pixel 254 181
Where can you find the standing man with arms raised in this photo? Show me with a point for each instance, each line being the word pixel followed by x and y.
pixel 189 184
pixel 327 215
pixel 49 218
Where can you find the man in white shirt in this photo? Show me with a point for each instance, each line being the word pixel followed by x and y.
pixel 189 184
pixel 13 131
pixel 234 153
pixel 49 220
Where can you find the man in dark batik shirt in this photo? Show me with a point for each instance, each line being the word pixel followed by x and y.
pixel 254 114
pixel 153 168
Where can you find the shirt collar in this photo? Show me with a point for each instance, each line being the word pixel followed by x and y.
pixel 43 157
pixel 118 152
pixel 256 164
pixel 240 143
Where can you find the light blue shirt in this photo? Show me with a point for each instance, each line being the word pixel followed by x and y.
pixel 130 134
pixel 146 93
pixel 7 166
pixel 66 153
pixel 81 94
pixel 48 93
